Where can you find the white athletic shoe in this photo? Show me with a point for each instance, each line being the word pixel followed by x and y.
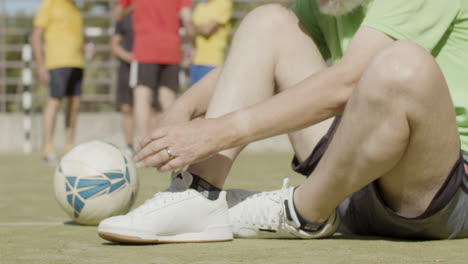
pixel 272 215
pixel 51 158
pixel 177 214
pixel 235 196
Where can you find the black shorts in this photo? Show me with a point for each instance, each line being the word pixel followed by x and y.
pixel 157 75
pixel 65 82
pixel 124 91
pixel 366 213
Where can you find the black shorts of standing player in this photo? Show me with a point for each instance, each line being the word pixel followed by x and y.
pixel 366 213
pixel 65 82
pixel 124 91
pixel 155 76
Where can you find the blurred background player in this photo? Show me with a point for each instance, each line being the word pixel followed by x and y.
pixel 121 44
pixel 60 24
pixel 211 19
pixel 156 52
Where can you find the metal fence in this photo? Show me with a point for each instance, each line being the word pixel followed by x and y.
pixel 99 83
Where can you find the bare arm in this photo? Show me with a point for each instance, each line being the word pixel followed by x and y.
pixel 207 29
pixel 118 13
pixel 37 47
pixel 321 96
pixel 118 50
pixel 186 18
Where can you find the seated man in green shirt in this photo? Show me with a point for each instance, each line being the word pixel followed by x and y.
pixel 391 163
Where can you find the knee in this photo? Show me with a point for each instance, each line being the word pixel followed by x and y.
pixel 400 71
pixel 267 18
pixel 53 104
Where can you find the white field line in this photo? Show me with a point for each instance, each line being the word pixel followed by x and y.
pixel 31 224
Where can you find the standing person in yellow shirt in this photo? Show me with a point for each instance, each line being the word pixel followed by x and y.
pixel 59 25
pixel 211 19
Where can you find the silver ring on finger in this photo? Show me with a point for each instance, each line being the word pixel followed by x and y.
pixel 169 153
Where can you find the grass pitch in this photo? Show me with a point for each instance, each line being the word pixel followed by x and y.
pixel 34 229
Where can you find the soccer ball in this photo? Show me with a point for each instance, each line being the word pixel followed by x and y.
pixel 94 181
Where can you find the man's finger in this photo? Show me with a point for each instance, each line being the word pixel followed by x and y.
pixel 157 134
pixel 173 164
pixel 150 149
pixel 156 160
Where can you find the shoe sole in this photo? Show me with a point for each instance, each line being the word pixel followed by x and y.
pixel 123 239
pixel 215 235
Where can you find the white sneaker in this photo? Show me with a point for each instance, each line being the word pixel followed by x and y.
pixel 51 158
pixel 235 196
pixel 177 214
pixel 272 215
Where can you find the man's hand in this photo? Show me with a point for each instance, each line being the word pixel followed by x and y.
pixel 42 74
pixel 172 147
pixel 118 50
pixel 177 132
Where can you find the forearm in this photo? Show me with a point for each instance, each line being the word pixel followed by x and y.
pixel 118 13
pixel 186 18
pixel 37 47
pixel 194 102
pixel 315 99
pixel 123 54
pixel 119 51
pixel 207 29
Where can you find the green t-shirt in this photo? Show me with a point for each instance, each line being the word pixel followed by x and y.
pixel 441 27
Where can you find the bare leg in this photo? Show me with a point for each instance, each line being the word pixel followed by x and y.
pixel 154 118
pixel 127 123
pixel 142 100
pixel 49 118
pixel 71 120
pixel 269 53
pixel 167 96
pixel 404 111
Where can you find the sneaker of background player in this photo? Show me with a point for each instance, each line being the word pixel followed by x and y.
pixel 48 154
pixel 178 214
pixel 272 215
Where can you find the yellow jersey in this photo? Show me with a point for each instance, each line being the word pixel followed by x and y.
pixel 63 33
pixel 210 50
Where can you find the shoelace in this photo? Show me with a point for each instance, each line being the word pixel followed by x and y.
pixel 262 215
pixel 170 194
pixel 159 198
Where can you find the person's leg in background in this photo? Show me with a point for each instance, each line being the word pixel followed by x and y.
pixel 71 118
pixel 73 106
pixel 125 105
pixel 143 97
pixel 127 124
pixel 73 94
pixel 168 85
pixel 57 87
pixel 49 116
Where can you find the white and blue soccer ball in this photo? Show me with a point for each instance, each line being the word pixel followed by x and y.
pixel 94 181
